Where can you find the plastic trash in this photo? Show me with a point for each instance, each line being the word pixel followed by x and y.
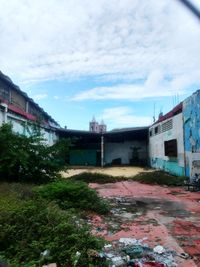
pixel 159 249
pixel 128 241
pixel 45 253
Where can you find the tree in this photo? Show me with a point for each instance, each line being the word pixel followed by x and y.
pixel 29 159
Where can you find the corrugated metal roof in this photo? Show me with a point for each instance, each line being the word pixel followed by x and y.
pixel 128 129
pixel 176 110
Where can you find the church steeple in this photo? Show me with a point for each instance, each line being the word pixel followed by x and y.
pixel 95 127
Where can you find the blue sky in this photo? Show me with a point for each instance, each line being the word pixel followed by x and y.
pixel 117 60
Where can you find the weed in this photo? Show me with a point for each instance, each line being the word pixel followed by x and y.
pixel 31 226
pixel 69 194
pixel 159 177
pixel 100 178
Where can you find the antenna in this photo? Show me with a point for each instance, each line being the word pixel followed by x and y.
pixel 154 111
pixel 178 98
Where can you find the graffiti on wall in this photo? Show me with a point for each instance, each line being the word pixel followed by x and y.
pixel 195 167
pixel 191 111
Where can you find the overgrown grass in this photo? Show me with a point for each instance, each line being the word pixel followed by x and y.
pixel 31 224
pixel 153 177
pixel 159 177
pixel 100 178
pixel 72 194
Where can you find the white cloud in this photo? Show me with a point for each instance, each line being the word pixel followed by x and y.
pixel 116 39
pixel 124 117
pixel 56 97
pixel 154 86
pixel 39 97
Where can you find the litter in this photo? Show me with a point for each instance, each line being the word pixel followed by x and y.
pixel 159 249
pixel 184 255
pixel 118 261
pixel 128 241
pixel 45 253
pixel 108 246
pixel 133 252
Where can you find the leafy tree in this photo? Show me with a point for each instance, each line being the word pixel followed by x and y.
pixel 27 159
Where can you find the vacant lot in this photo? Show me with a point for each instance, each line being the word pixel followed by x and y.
pixel 114 171
pixel 167 216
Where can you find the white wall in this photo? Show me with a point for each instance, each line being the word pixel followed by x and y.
pixel 123 150
pixel 20 126
pixel 49 136
pixel 1 117
pixel 156 142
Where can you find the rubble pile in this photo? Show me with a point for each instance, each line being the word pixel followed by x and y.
pixel 130 252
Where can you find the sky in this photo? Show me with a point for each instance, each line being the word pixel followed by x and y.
pixel 123 61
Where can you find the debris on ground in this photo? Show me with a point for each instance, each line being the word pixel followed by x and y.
pixel 127 252
pixel 168 217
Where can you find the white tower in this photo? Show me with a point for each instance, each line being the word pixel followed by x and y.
pixel 102 127
pixel 94 126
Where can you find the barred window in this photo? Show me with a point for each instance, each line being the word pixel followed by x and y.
pixel 166 126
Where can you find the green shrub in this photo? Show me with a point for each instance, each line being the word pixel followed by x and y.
pixel 28 159
pixel 33 226
pixel 159 177
pixel 68 194
pixel 100 178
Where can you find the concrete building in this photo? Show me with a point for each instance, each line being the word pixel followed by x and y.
pixel 166 145
pixel 171 144
pixel 23 113
pixel 191 120
pixel 128 146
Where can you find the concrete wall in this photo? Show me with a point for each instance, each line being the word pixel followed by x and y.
pixel 169 129
pixel 124 151
pixel 191 117
pixel 23 126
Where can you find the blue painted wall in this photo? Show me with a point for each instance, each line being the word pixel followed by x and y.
pixel 168 166
pixel 191 116
pixel 191 119
pixel 86 157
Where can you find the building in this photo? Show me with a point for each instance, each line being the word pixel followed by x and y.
pixel 166 145
pixel 191 128
pixel 95 127
pixel 128 146
pixel 171 144
pixel 174 140
pixel 22 112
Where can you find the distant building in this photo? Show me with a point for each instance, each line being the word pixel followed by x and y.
pixel 95 127
pixel 22 112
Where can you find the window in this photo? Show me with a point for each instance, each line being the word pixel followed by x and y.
pixel 171 148
pixel 166 126
pixel 157 129
pixel 150 132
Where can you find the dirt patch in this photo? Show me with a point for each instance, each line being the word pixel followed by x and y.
pixel 114 171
